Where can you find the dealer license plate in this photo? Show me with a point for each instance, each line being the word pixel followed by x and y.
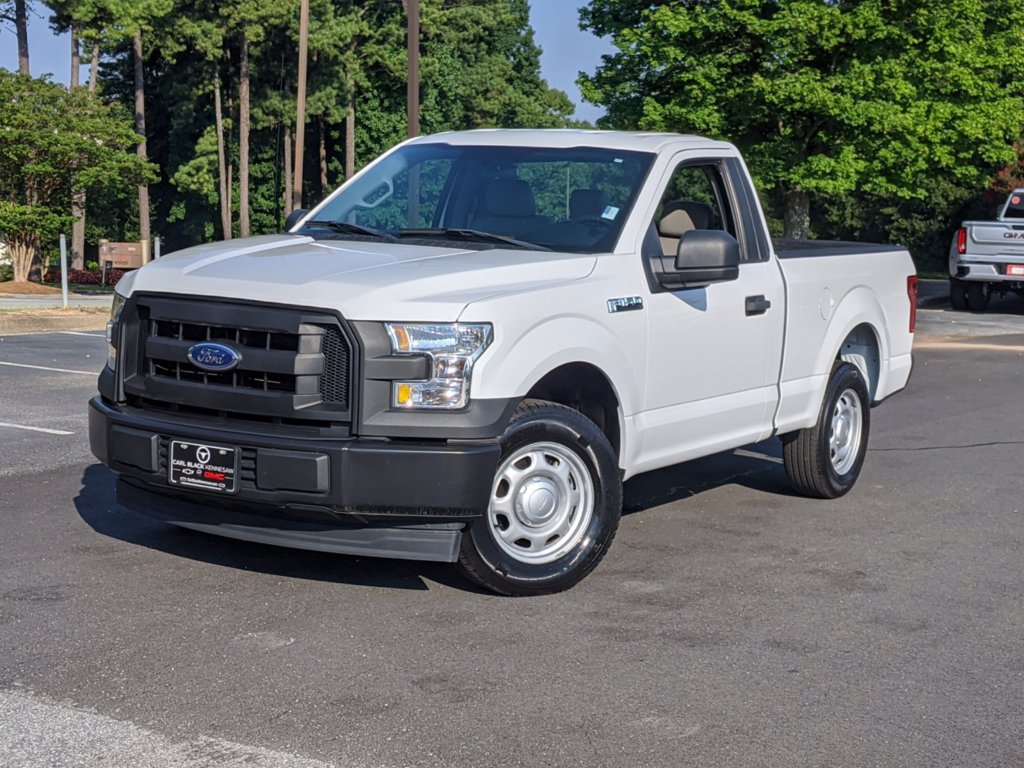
pixel 198 465
pixel 1015 270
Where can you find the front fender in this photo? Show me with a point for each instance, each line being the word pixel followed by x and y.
pixel 518 360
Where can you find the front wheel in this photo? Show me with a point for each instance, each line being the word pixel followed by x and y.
pixel 554 507
pixel 824 461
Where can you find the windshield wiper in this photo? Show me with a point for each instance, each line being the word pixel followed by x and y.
pixel 354 229
pixel 474 235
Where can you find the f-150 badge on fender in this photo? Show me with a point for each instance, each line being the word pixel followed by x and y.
pixel 625 304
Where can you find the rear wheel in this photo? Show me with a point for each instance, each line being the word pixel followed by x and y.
pixel 978 295
pixel 554 507
pixel 824 461
pixel 958 294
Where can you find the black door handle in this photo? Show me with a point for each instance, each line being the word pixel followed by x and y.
pixel 757 305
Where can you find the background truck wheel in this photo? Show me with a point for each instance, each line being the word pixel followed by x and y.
pixel 978 295
pixel 958 294
pixel 554 508
pixel 824 461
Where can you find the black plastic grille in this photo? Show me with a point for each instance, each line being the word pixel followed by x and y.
pixel 334 381
pixel 241 339
pixel 294 364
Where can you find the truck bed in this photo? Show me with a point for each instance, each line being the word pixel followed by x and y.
pixel 787 248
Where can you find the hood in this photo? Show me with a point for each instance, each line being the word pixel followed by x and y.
pixel 362 280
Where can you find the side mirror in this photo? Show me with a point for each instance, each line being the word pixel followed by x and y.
pixel 293 218
pixel 704 256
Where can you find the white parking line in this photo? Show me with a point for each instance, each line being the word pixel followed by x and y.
pixel 83 333
pixel 46 368
pixel 35 429
pixel 43 732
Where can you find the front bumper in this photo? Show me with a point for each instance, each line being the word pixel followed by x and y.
pixel 338 483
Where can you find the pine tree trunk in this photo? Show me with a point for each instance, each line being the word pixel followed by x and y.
pixel 140 128
pixel 76 60
pixel 21 28
pixel 78 196
pixel 323 157
pixel 300 103
pixel 225 200
pixel 243 139
pixel 287 170
pixel 350 139
pixel 797 215
pixel 94 67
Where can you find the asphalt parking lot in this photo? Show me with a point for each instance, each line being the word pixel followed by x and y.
pixel 731 624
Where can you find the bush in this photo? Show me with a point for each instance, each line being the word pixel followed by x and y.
pixel 85 277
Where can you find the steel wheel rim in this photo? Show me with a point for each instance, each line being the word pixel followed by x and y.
pixel 845 432
pixel 542 502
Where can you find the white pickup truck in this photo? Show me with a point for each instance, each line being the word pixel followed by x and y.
pixel 462 353
pixel 987 257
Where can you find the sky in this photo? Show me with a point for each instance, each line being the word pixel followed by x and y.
pixel 566 49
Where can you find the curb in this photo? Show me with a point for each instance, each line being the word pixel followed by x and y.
pixel 11 324
pixel 933 294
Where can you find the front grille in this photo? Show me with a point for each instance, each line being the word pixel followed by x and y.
pixel 164 360
pixel 334 381
pixel 294 365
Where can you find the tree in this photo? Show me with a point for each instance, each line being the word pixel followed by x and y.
pixel 132 19
pixel 250 20
pixel 826 97
pixel 52 142
pixel 482 69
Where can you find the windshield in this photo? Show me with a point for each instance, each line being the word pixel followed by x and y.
pixel 573 199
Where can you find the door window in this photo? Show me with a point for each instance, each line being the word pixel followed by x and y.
pixel 694 199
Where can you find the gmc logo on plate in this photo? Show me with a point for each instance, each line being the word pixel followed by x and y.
pixel 1013 235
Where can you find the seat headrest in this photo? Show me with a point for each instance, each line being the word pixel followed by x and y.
pixel 509 197
pixel 681 216
pixel 587 202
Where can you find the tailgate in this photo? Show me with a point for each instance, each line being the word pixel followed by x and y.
pixel 993 238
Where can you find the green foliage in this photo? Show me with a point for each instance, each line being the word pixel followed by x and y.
pixel 480 67
pixel 865 98
pixel 53 142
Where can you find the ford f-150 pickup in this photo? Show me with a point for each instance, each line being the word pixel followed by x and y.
pixel 464 352
pixel 987 257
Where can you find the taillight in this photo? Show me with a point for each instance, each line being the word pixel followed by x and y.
pixel 912 295
pixel 961 240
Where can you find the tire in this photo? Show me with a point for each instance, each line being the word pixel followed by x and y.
pixel 957 294
pixel 555 504
pixel 978 295
pixel 825 460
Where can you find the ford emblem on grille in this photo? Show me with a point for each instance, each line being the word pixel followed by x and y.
pixel 211 356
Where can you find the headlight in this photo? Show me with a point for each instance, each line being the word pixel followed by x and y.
pixel 116 308
pixel 452 348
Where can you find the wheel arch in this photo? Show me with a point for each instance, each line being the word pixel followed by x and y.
pixel 862 349
pixel 584 387
pixel 855 336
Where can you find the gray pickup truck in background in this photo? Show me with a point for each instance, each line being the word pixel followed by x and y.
pixel 987 257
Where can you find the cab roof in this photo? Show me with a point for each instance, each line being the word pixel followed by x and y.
pixel 560 138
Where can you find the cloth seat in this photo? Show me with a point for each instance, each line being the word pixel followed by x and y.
pixel 679 217
pixel 508 208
